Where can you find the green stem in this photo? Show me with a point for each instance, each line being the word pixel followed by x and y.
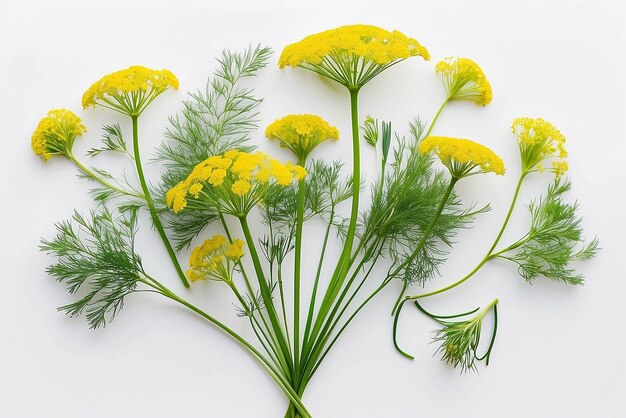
pixel 265 290
pixel 89 173
pixel 343 264
pixel 489 254
pixel 432 124
pixel 317 276
pixel 151 207
pixel 297 275
pixel 267 366
pixel 422 242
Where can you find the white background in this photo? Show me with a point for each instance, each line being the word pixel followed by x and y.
pixel 559 351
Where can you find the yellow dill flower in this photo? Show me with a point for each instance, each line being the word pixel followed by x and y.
pixel 351 55
pixel 233 183
pixel 241 187
pixel 539 140
pixel 301 133
pixel 56 133
pixel 212 259
pixel 463 79
pixel 235 250
pixel 129 91
pixel 461 156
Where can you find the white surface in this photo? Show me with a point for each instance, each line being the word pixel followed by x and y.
pixel 559 351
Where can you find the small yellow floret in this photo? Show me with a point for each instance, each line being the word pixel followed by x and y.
pixel 539 140
pixel 462 155
pixel 301 133
pixel 211 259
pixel 56 132
pixel 465 80
pixel 129 91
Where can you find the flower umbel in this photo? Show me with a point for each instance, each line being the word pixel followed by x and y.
pixel 301 133
pixel 461 156
pixel 351 55
pixel 213 259
pixel 539 140
pixel 233 182
pixel 56 133
pixel 463 79
pixel 129 91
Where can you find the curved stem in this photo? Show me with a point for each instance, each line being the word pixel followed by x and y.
pixel 489 254
pixel 432 124
pixel 267 366
pixel 89 173
pixel 395 333
pixel 151 207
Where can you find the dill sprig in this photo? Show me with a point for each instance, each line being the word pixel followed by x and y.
pixel 96 257
pixel 554 241
pixel 112 140
pixel 460 339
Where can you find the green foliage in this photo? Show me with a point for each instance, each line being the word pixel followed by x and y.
pixel 371 130
pixel 112 140
pixel 212 121
pixel 403 208
pixel 554 241
pixel 325 190
pixel 460 339
pixel 96 258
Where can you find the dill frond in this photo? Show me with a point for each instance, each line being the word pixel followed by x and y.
pixel 554 241
pixel 112 140
pixel 96 257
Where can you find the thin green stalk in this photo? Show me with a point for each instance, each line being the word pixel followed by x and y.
pixel 89 173
pixel 297 275
pixel 280 380
pixel 489 254
pixel 317 277
pixel 341 270
pixel 432 124
pixel 265 290
pixel 151 207
pixel 316 358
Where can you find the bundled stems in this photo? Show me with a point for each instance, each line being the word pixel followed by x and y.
pixel 151 207
pixel 278 377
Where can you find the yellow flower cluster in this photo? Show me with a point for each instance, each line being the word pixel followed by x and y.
pixel 211 259
pixel 301 133
pixel 129 91
pixel 539 140
pixel 56 133
pixel 335 52
pixel 462 155
pixel 231 177
pixel 465 80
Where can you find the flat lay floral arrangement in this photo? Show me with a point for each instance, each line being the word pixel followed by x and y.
pixel 212 175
